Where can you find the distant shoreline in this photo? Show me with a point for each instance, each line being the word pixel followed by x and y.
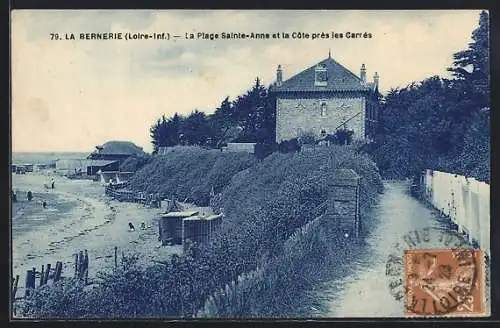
pixel 44 157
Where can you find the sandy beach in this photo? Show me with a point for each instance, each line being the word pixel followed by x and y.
pixel 78 216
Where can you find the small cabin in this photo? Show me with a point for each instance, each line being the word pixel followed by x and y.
pixel 96 165
pixel 28 167
pixel 200 229
pixel 170 227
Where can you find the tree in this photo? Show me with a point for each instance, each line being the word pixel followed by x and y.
pixel 251 111
pixel 165 132
pixel 472 65
pixel 222 121
pixel 158 132
pixel 440 123
pixel 195 129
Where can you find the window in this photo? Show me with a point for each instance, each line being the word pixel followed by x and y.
pixel 320 76
pixel 323 109
pixel 300 106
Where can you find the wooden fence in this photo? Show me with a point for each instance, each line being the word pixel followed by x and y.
pixel 48 272
pixel 465 201
pixel 122 194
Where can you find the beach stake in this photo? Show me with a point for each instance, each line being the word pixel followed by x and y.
pixel 42 275
pixel 47 274
pixel 30 282
pixel 76 264
pixel 80 265
pixel 116 257
pixel 86 266
pixel 34 277
pixel 57 273
pixel 14 289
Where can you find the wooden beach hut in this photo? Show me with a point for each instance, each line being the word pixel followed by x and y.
pixel 96 165
pixel 170 227
pixel 199 229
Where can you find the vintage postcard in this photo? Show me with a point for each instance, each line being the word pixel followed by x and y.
pixel 192 164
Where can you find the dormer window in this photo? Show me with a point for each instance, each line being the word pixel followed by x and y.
pixel 320 76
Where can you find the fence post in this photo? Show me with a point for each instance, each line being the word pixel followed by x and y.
pixel 57 274
pixel 30 282
pixel 46 279
pixel 80 265
pixel 42 274
pixel 86 266
pixel 76 265
pixel 14 288
pixel 116 257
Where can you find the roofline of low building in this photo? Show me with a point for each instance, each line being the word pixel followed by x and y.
pixel 367 90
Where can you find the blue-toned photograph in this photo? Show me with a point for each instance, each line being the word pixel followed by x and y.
pixel 249 164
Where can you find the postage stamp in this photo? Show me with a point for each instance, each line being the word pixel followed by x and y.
pixel 444 282
pixel 435 272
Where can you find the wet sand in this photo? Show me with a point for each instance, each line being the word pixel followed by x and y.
pixel 79 216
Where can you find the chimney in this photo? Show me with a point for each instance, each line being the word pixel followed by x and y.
pixel 376 78
pixel 279 76
pixel 362 73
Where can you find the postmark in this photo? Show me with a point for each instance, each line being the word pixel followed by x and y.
pixel 427 271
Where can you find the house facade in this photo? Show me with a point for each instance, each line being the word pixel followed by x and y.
pixel 115 151
pixel 324 98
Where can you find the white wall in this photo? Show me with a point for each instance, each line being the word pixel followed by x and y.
pixel 465 200
pixel 241 146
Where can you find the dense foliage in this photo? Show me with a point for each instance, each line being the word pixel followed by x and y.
pixel 440 123
pixel 263 207
pixel 135 162
pixel 249 118
pixel 190 173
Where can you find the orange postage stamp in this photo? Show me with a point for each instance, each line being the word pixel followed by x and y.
pixel 444 282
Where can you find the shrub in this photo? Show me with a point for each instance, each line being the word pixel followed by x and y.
pixel 264 149
pixel 135 162
pixel 269 209
pixel 287 146
pixel 307 139
pixel 341 137
pixel 190 173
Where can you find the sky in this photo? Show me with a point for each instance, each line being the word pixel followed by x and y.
pixel 71 95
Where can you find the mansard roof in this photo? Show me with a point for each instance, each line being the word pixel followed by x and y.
pixel 339 79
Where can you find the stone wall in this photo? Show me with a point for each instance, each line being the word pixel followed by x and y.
pixel 343 202
pixel 296 116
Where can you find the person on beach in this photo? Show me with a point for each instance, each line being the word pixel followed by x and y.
pixel 29 195
pixel 13 196
pixel 52 183
pixel 131 227
pixel 143 225
pixel 44 204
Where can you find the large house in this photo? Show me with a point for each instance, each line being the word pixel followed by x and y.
pixel 324 98
pixel 115 151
